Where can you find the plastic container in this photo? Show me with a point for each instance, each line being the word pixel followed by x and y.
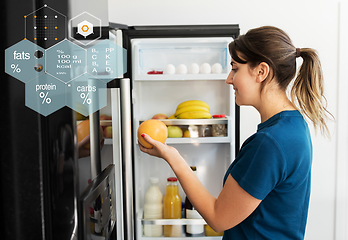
pixel 153 209
pixel 172 208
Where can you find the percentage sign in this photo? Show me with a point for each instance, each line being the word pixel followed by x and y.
pixel 45 98
pixel 85 98
pixel 60 51
pixel 15 68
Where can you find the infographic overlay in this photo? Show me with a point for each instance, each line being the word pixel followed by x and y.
pixel 72 73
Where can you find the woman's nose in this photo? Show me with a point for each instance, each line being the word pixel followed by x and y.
pixel 229 79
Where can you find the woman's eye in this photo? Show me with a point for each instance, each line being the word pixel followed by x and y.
pixel 234 69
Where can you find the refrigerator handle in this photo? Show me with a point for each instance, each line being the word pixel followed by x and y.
pixel 126 120
pixel 94 125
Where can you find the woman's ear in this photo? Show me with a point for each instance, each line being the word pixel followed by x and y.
pixel 262 72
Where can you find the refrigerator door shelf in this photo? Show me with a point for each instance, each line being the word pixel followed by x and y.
pixel 178 77
pixel 183 221
pixel 141 222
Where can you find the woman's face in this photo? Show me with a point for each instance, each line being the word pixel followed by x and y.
pixel 243 80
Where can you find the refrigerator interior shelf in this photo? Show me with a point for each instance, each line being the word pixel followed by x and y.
pixel 103 123
pixel 210 121
pixel 182 221
pixel 178 77
pixel 198 140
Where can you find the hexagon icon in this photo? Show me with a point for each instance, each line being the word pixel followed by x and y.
pixel 45 26
pixel 45 94
pixel 24 60
pixel 85 28
pixel 86 94
pixel 66 61
pixel 106 60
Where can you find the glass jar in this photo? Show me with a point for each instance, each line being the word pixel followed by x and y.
pixel 172 208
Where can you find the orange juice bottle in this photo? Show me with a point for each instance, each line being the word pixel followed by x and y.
pixel 172 208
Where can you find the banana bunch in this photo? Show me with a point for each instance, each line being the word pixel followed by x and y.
pixel 192 109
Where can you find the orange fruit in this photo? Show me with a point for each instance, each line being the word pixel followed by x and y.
pixel 83 130
pixel 156 129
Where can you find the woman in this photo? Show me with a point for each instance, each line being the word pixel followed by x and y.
pixel 266 189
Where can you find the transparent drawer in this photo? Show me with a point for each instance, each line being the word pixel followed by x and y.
pixel 181 58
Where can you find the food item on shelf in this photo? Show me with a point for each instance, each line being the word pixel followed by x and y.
pixel 210 232
pixel 82 130
pixel 170 69
pixel 172 208
pixel 156 129
pixel 205 68
pixel 191 108
pixel 155 72
pixel 219 116
pixel 172 117
pixel 194 115
pixel 108 132
pixel 174 132
pixel 181 69
pixel 191 213
pixel 153 209
pixel 193 103
pixel 194 68
pixel 80 117
pixel 216 68
pixel 219 130
pixel 160 116
pixel 187 133
pixel 81 109
pixel 105 117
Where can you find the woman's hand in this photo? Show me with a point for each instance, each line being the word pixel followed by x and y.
pixel 159 149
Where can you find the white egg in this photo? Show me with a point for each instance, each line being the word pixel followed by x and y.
pixel 194 68
pixel 216 68
pixel 205 68
pixel 181 69
pixel 170 69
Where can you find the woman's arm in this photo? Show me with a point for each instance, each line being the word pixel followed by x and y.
pixel 231 207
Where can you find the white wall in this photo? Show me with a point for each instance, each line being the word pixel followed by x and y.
pixel 310 23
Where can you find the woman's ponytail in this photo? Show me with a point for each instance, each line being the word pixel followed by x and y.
pixel 307 91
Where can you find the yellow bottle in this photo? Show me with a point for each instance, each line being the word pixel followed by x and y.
pixel 172 208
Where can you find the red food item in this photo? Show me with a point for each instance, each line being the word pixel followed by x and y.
pixel 219 116
pixel 155 72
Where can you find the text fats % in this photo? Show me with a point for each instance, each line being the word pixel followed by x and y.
pixel 45 98
pixel 85 98
pixel 15 68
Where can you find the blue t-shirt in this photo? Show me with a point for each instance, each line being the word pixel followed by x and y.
pixel 274 165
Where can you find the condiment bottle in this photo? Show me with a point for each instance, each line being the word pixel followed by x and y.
pixel 172 208
pixel 191 213
pixel 153 209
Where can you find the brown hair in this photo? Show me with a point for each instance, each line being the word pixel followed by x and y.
pixel 273 46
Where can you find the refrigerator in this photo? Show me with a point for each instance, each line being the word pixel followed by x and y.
pixel 40 195
pixel 154 90
pixel 44 193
